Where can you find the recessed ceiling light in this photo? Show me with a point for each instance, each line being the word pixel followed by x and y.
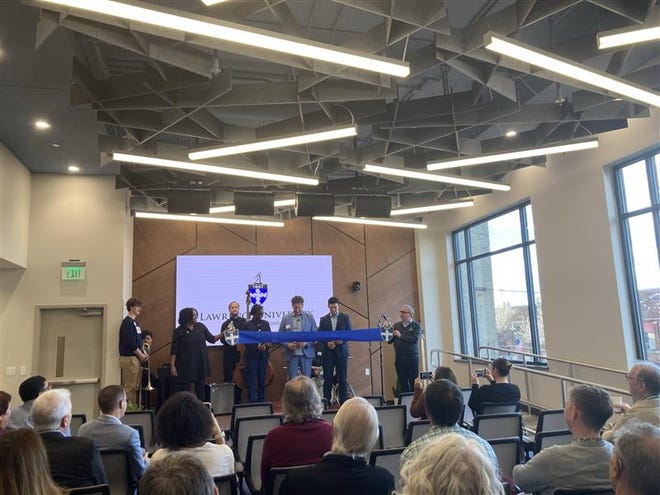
pixel 73 168
pixel 511 133
pixel 56 145
pixel 41 124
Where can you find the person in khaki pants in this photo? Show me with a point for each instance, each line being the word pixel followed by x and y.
pixel 130 349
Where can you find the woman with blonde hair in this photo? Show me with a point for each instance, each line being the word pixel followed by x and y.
pixel 24 466
pixel 451 465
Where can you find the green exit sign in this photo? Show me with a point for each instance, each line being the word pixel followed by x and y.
pixel 74 270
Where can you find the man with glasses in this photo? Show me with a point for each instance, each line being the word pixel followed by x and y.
pixel 406 351
pixel 644 385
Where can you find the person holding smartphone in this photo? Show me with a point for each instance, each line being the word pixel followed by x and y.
pixel 498 390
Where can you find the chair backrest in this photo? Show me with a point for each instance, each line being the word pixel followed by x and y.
pixel 405 399
pixel 275 477
pixel 551 420
pixel 140 431
pixel 389 459
pixel 116 463
pixel 146 420
pixel 545 439
pixel 90 490
pixel 374 400
pixel 416 429
pixel 393 420
pixel 508 452
pixel 222 398
pixel 255 449
pixel 467 419
pixel 253 409
pixel 498 407
pixel 329 415
pixel 227 484
pixel 77 420
pixel 503 425
pixel 252 425
pixel 561 491
pixel 379 441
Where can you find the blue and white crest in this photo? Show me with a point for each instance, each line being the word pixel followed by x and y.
pixel 231 334
pixel 386 328
pixel 258 291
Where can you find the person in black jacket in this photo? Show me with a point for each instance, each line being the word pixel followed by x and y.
pixel 230 354
pixel 334 355
pixel 499 388
pixel 406 349
pixel 256 357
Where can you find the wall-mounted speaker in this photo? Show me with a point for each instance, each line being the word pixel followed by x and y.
pixel 376 206
pixel 188 202
pixel 254 203
pixel 315 205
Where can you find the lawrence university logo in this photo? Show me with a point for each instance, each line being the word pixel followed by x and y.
pixel 386 328
pixel 258 290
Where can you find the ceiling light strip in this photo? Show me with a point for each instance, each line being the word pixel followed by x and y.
pixel 369 221
pixel 570 69
pixel 205 219
pixel 513 155
pixel 236 33
pixel 212 169
pixel 431 208
pixel 231 208
pixel 311 137
pixel 447 179
pixel 623 37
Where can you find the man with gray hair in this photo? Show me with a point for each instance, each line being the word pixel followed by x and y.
pixel 582 464
pixel 177 474
pixel 74 461
pixel 406 349
pixel 634 465
pixel 644 385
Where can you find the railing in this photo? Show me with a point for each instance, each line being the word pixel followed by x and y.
pixel 571 364
pixel 563 380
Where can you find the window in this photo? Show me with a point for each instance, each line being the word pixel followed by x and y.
pixel 638 201
pixel 498 285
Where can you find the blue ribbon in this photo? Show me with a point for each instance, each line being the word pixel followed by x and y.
pixel 364 335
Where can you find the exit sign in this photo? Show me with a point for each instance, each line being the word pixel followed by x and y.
pixel 74 270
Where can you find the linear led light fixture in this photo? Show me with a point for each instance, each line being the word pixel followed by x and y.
pixel 369 221
pixel 212 169
pixel 513 155
pixel 280 203
pixel 568 68
pixel 206 219
pixel 430 208
pixel 269 144
pixel 447 179
pixel 144 13
pixel 212 2
pixel 627 36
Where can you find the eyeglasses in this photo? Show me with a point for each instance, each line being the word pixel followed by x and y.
pixel 632 378
pixel 407 312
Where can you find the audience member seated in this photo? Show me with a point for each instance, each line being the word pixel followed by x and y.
pixel 644 385
pixel 5 411
pixel 418 406
pixel 177 474
pixel 344 470
pixel 185 424
pixel 499 388
pixel 444 404
pixel 634 466
pixel 24 465
pixel 74 461
pixel 108 432
pixel 451 465
pixel 582 464
pixel 304 437
pixel 29 390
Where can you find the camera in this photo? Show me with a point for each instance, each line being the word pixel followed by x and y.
pixel 426 375
pixel 480 373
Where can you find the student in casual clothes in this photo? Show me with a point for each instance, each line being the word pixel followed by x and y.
pixel 418 406
pixel 29 390
pixel 498 390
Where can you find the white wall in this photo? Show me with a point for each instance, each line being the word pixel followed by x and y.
pixel 71 217
pixel 14 210
pixel 585 310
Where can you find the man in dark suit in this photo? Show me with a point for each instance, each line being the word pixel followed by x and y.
pixel 74 461
pixel 335 352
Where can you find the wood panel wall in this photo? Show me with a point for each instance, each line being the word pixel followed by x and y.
pixel 382 259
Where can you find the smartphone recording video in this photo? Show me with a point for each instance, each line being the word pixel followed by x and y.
pixel 426 375
pixel 480 373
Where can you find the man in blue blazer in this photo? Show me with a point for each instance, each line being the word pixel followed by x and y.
pixel 335 352
pixel 108 432
pixel 299 355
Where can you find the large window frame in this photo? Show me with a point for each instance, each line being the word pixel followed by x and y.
pixel 649 157
pixel 462 242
